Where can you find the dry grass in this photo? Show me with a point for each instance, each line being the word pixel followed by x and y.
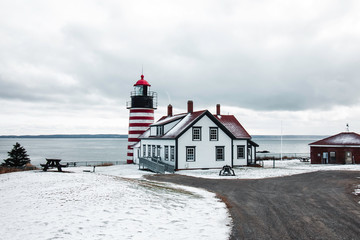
pixel 27 167
pixel 105 165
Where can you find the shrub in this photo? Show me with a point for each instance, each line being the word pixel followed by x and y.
pixel 17 157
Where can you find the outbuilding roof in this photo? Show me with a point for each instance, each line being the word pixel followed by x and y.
pixel 343 139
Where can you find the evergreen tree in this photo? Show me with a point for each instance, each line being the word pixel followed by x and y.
pixel 17 157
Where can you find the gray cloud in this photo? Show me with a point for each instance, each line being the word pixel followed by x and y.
pixel 259 55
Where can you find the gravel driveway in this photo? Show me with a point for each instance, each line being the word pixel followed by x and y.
pixel 318 205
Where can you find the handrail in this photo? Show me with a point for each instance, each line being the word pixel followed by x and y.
pixel 149 94
pixel 155 164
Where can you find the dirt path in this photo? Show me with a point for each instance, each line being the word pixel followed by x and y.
pixel 317 205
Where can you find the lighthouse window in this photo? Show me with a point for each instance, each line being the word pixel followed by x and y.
pixel 172 153
pixel 190 154
pixel 139 90
pixel 213 134
pixel 196 133
pixel 144 150
pixel 220 153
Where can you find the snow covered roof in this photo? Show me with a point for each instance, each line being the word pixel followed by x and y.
pixel 344 138
pixel 233 125
pixel 187 121
pixel 228 123
pixel 168 119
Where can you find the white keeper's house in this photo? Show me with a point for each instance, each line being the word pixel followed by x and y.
pixel 196 140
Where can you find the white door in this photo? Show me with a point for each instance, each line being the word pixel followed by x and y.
pixel 348 157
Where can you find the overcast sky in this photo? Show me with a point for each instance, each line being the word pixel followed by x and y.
pixel 69 66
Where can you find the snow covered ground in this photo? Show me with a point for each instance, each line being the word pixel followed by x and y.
pixel 106 205
pixel 282 168
pixel 116 202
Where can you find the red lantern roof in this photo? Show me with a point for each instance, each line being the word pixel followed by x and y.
pixel 142 81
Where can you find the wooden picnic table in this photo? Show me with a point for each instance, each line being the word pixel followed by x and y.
pixel 52 163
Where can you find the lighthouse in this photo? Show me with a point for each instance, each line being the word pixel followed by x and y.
pixel 142 105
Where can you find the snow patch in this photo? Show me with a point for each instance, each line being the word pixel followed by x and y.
pixel 112 203
pixel 357 190
pixel 282 168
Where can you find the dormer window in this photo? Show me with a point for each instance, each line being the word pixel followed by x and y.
pixel 159 130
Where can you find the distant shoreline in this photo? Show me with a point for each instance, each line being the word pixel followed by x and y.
pixel 67 136
pixel 125 136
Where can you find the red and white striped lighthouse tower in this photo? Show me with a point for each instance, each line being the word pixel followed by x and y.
pixel 142 105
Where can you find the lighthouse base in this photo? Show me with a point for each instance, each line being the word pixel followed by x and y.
pixel 129 161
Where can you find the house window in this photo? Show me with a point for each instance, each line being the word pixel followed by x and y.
pixel 149 151
pixel 213 134
pixel 153 150
pixel 190 154
pixel 220 153
pixel 240 152
pixel 196 133
pixel 144 150
pixel 158 150
pixel 172 153
pixel 166 154
pixel 159 130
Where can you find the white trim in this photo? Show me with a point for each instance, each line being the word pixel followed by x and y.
pixel 351 146
pixel 138 128
pixel 141 114
pixel 141 121
pixel 134 135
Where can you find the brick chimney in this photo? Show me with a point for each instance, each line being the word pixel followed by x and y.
pixel 190 106
pixel 170 110
pixel 218 109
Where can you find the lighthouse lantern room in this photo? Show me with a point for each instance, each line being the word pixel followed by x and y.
pixel 142 105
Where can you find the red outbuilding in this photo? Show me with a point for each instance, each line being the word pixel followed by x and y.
pixel 342 148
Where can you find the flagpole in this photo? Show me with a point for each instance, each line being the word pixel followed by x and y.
pixel 281 142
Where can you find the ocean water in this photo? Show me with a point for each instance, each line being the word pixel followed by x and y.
pixel 288 144
pixel 114 149
pixel 68 149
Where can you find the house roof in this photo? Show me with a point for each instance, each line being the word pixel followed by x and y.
pixel 186 122
pixel 168 119
pixel 228 123
pixel 233 125
pixel 344 138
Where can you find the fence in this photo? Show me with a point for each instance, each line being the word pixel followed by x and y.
pixel 277 156
pixel 92 163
